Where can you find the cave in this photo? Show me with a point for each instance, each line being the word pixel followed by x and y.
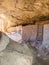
pixel 24 32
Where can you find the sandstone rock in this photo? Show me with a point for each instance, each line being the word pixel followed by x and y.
pixel 23 11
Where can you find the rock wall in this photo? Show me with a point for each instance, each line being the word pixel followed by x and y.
pixel 23 11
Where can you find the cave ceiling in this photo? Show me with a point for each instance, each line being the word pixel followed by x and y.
pixel 25 11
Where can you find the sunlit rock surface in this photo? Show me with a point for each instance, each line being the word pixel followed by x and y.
pixel 23 11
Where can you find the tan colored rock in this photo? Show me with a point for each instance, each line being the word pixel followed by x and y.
pixel 23 11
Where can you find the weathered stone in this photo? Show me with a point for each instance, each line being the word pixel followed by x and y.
pixel 22 11
pixel 16 53
pixel 14 58
pixel 44 47
pixel 29 33
pixel 4 40
pixel 46 36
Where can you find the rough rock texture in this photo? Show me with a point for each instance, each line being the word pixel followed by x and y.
pixel 16 54
pixel 24 11
pixel 4 40
pixel 44 47
pixel 14 58
pixel 29 33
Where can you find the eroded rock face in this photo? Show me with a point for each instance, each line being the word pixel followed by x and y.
pixel 38 37
pixel 22 11
pixel 44 48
